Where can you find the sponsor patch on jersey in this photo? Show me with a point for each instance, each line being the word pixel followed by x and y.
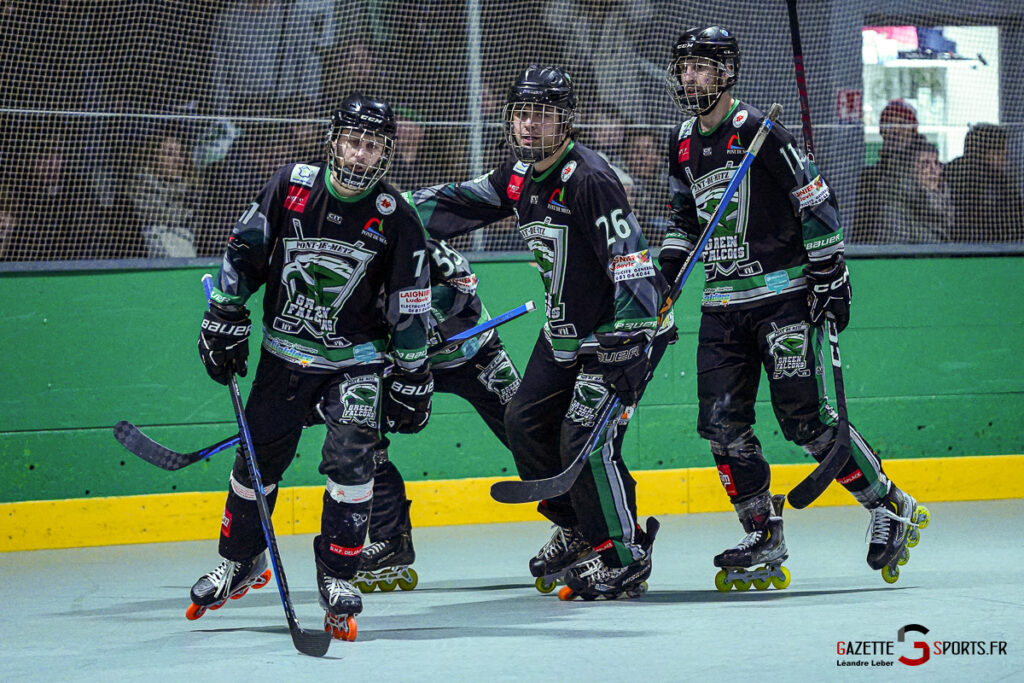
pixel 556 202
pixel 734 146
pixel 515 187
pixel 303 174
pixel 296 198
pixel 373 227
pixel 632 266
pixel 385 204
pixel 777 281
pixel 714 298
pixel 812 194
pixel 740 118
pixel 521 168
pixel 686 128
pixel 466 284
pixel 684 150
pixel 568 170
pixel 414 301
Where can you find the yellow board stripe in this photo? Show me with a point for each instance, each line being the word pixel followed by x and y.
pixel 158 518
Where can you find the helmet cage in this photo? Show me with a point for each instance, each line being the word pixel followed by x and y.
pixel 696 99
pixel 545 125
pixel 368 158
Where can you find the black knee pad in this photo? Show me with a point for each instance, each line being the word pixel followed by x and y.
pixel 741 466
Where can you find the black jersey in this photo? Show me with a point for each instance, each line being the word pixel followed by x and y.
pixel 593 258
pixel 782 216
pixel 324 259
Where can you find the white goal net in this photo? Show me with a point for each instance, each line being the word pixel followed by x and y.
pixel 142 129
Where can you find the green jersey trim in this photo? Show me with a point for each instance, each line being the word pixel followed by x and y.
pixel 337 195
pixel 728 115
pixel 540 178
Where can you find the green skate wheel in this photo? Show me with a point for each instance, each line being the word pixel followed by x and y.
pixel 411 582
pixel 762 584
pixel 781 582
pixel 922 516
pixel 544 586
pixel 363 586
pixel 721 584
pixel 890 575
pixel 387 586
pixel 741 585
pixel 904 557
pixel 914 538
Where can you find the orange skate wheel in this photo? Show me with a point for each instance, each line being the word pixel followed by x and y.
pixel 194 611
pixel 263 580
pixel 240 593
pixel 565 593
pixel 351 630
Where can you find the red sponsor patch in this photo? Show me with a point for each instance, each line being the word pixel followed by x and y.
pixel 852 477
pixel 515 187
pixel 604 546
pixel 225 524
pixel 348 552
pixel 684 150
pixel 296 199
pixel 725 474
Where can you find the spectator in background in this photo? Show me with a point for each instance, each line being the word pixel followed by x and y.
pixel 919 211
pixel 644 160
pixel 163 194
pixel 890 177
pixel 406 172
pixel 988 206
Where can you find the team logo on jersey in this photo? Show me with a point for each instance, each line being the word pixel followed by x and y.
pixel 727 250
pixel 303 174
pixel 812 194
pixel 547 242
pixel 318 277
pixel 740 118
pixel 296 198
pixel 635 266
pixel 588 396
pixel 734 146
pixel 515 187
pixel 568 170
pixel 788 346
pixel 501 377
pixel 385 204
pixel 684 150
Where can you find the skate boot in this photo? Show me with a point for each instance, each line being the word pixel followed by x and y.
pixel 384 565
pixel 763 545
pixel 229 580
pixel 894 529
pixel 565 548
pixel 594 579
pixel 341 603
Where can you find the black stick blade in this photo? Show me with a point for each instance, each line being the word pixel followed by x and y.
pixel 533 490
pixel 808 490
pixel 132 438
pixel 312 643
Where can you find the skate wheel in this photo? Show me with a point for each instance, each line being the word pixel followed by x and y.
pixel 890 574
pixel 566 594
pixel 545 586
pixel 240 593
pixel 194 611
pixel 904 557
pixel 341 629
pixel 262 580
pixel 217 605
pixel 363 586
pixel 781 582
pixel 411 582
pixel 721 584
pixel 387 586
pixel 741 585
pixel 913 538
pixel 762 584
pixel 922 516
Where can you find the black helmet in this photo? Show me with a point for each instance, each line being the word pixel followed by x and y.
pixel 712 46
pixel 363 122
pixel 542 94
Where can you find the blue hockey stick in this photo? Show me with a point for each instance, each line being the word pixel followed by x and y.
pixel 532 490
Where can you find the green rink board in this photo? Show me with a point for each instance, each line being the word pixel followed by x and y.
pixel 931 366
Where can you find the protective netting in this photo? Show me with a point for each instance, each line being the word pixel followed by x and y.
pixel 135 129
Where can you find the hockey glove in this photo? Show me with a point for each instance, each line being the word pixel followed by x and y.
pixel 828 291
pixel 224 341
pixel 407 401
pixel 625 364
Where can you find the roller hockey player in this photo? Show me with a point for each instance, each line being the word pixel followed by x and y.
pixel 324 240
pixel 603 295
pixel 774 268
pixel 478 369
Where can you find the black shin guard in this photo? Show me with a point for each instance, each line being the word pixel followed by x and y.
pixel 741 467
pixel 241 530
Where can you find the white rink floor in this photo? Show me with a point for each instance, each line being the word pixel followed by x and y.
pixel 117 613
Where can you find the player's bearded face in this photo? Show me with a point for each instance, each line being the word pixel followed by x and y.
pixel 359 150
pixel 696 82
pixel 538 126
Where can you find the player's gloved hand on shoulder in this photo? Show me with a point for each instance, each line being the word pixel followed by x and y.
pixel 224 341
pixel 407 400
pixel 828 291
pixel 625 364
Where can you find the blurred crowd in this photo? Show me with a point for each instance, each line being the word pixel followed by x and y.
pixel 144 128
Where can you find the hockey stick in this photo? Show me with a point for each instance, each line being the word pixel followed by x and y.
pixel 313 643
pixel 531 490
pixel 132 438
pixel 808 490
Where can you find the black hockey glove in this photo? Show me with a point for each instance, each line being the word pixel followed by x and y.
pixel 224 341
pixel 407 401
pixel 828 291
pixel 625 364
